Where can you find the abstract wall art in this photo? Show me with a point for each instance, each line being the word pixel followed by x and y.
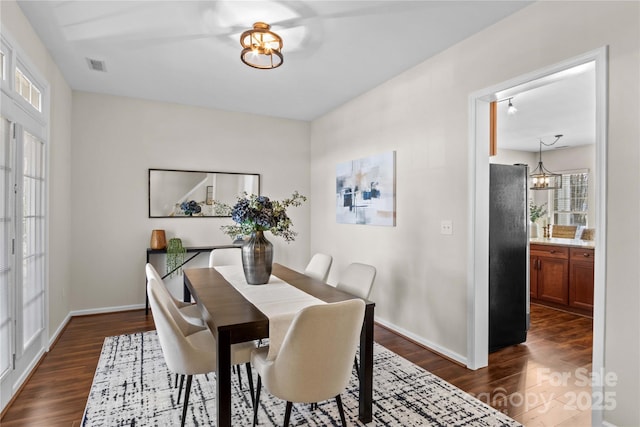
pixel 365 190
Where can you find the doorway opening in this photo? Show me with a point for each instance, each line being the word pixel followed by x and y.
pixel 477 338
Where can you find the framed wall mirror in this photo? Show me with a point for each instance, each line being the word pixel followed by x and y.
pixel 183 194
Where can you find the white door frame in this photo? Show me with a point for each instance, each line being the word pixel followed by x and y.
pixel 18 111
pixel 478 250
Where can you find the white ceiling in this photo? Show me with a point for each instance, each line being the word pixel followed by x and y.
pixel 188 52
pixel 560 104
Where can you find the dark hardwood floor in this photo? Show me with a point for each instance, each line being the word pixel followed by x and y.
pixel 537 383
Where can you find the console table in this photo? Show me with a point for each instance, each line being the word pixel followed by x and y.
pixel 195 250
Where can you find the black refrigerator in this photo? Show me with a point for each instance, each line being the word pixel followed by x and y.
pixel 508 256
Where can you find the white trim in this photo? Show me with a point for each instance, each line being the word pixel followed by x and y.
pixel 478 249
pixel 477 280
pixel 420 340
pixel 27 371
pixel 106 310
pixel 19 58
pixel 600 266
pixel 58 331
pixel 14 108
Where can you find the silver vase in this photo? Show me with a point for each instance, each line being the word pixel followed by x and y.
pixel 257 257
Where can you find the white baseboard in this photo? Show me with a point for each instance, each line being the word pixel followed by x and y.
pixel 105 310
pixel 430 345
pixel 32 365
pixel 58 331
pixel 66 320
pixel 607 424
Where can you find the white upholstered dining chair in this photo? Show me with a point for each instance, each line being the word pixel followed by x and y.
pixel 357 279
pixel 188 310
pixel 188 349
pixel 314 362
pixel 225 256
pixel 319 266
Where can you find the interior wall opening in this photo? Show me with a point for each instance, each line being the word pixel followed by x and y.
pixel 593 216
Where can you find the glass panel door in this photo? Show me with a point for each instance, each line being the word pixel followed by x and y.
pixel 33 220
pixel 22 256
pixel 6 257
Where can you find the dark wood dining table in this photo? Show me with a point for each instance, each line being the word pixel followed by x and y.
pixel 233 319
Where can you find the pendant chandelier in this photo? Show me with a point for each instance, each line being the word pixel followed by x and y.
pixel 541 177
pixel 261 47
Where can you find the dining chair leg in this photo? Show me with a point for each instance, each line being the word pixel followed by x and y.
pixel 287 413
pixel 355 363
pixel 239 377
pixel 186 399
pixel 253 399
pixel 341 410
pixel 180 389
pixel 176 382
pixel 257 402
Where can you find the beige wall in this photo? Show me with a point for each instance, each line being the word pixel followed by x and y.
pixel 59 144
pixel 116 140
pixel 423 115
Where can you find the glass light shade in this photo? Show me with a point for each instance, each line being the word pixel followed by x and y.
pixel 542 179
pixel 261 47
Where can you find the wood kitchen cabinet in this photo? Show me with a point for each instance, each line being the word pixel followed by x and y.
pixel 562 277
pixel 551 270
pixel 581 278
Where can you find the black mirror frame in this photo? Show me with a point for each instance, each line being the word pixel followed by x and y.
pixel 192 171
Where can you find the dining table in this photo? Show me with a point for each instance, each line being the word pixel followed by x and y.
pixel 233 318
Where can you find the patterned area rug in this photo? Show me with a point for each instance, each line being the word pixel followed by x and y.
pixel 132 386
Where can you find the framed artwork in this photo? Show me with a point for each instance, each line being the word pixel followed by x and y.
pixel 209 198
pixel 366 190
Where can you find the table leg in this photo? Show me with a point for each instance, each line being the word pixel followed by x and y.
pixel 146 295
pixel 366 368
pixel 186 293
pixel 223 379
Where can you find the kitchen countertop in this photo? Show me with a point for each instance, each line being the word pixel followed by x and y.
pixel 555 241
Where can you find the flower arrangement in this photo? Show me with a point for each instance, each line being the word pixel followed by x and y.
pixel 536 211
pixel 190 208
pixel 258 213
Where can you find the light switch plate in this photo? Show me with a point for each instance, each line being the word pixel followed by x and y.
pixel 446 226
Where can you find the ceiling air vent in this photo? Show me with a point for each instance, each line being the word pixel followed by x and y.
pixel 96 65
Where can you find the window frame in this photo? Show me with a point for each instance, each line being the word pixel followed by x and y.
pixel 18 71
pixel 14 58
pixel 552 196
pixel 25 118
pixel 6 83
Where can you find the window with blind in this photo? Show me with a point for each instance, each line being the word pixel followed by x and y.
pixel 570 203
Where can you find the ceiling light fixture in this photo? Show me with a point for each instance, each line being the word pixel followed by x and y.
pixel 511 109
pixel 543 179
pixel 261 47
